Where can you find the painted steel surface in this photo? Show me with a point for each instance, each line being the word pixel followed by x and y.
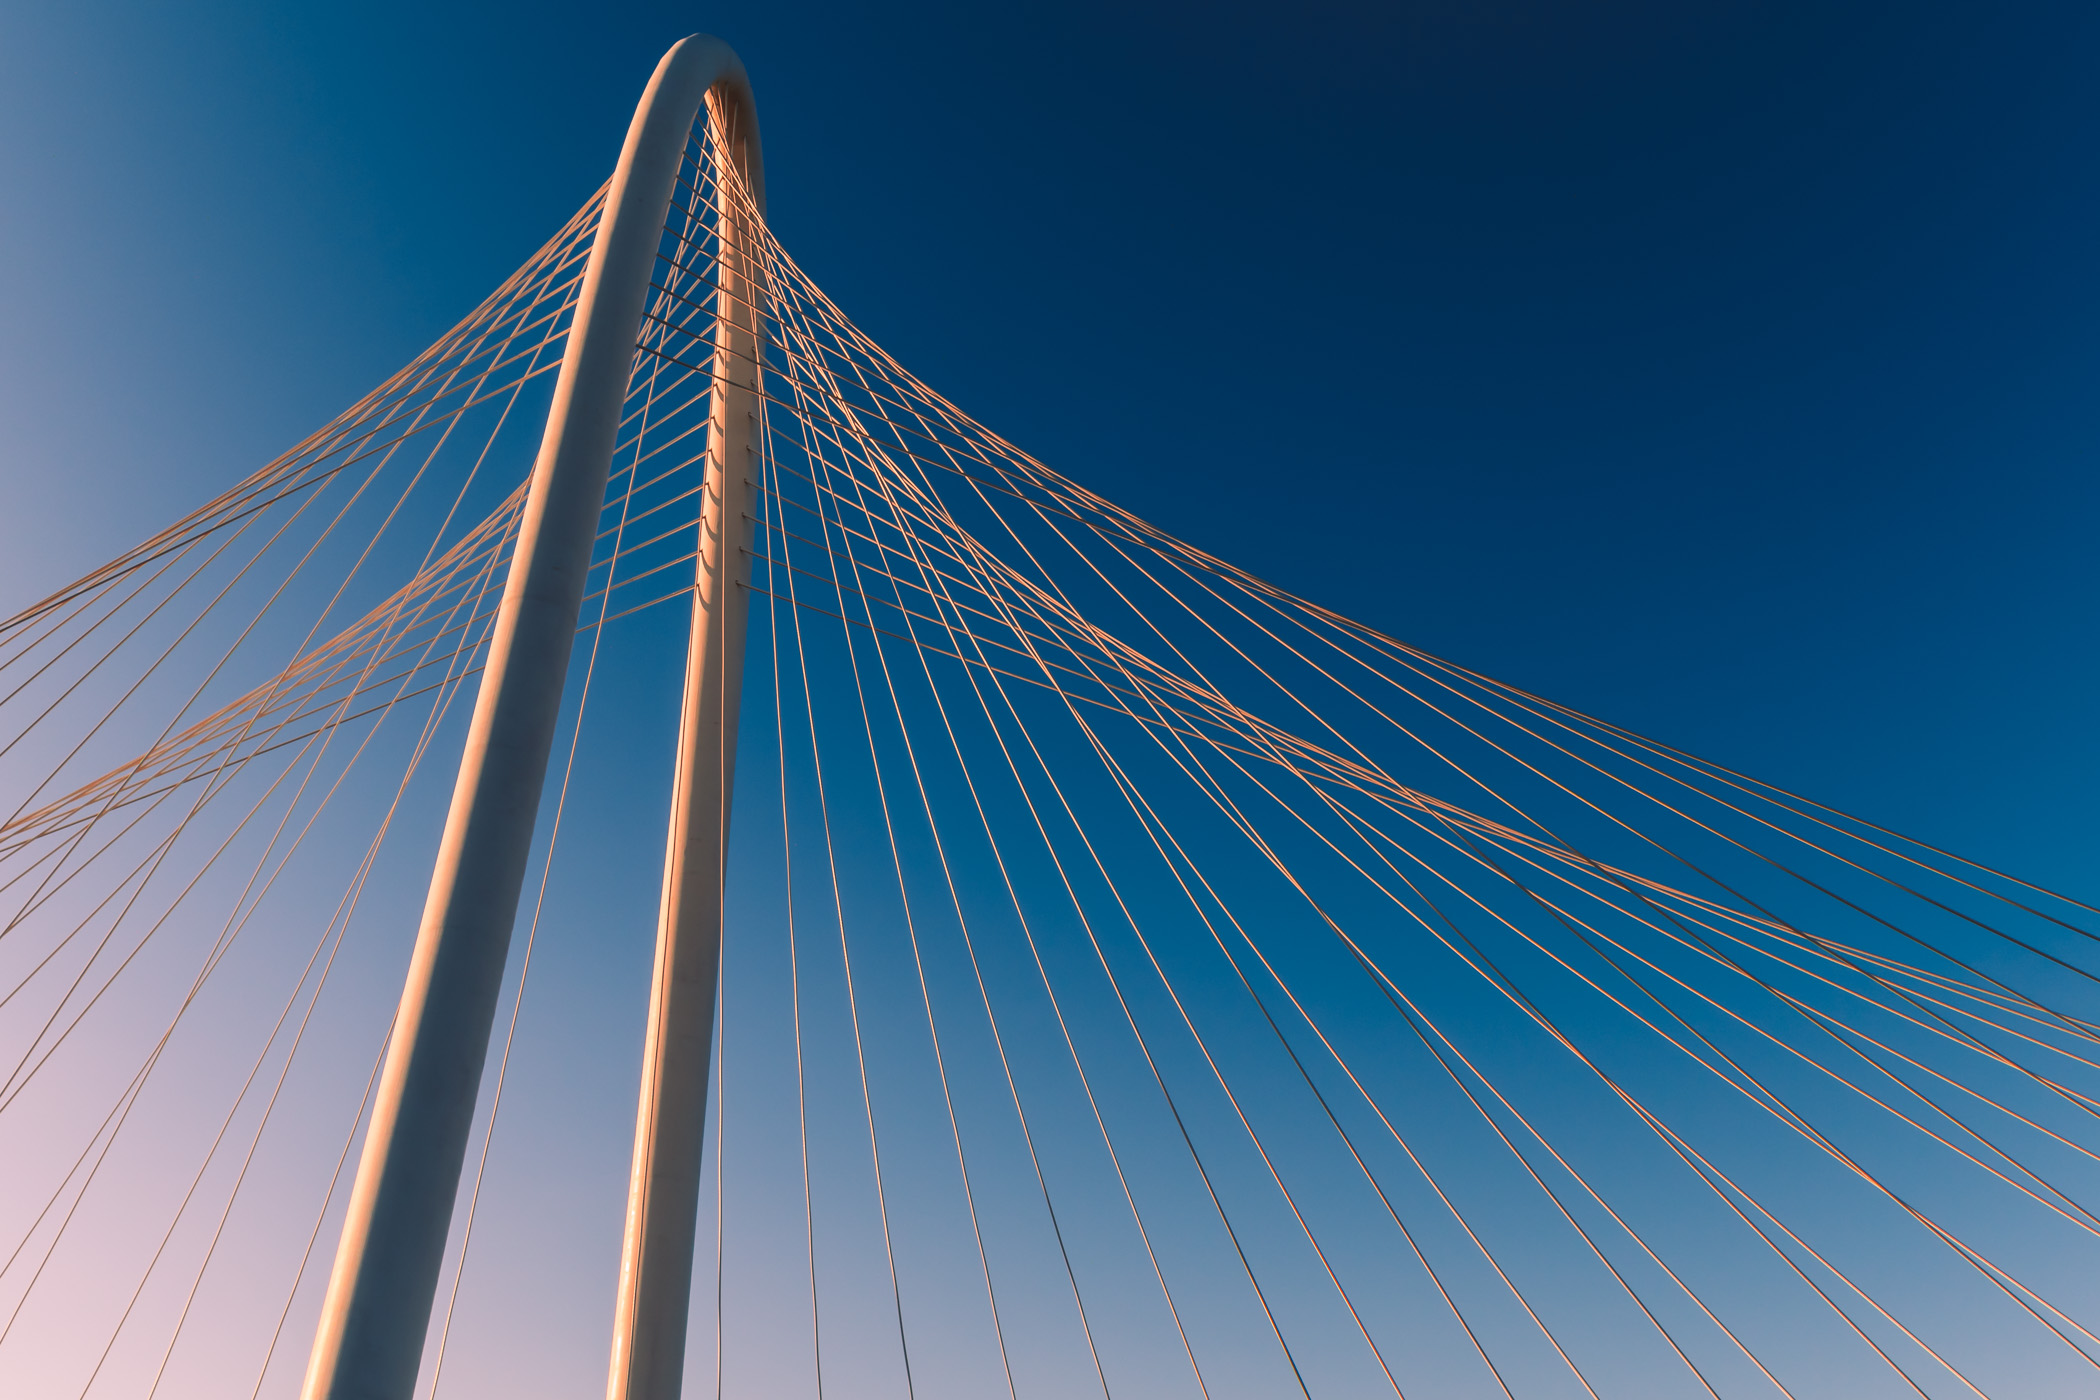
pixel 369 1342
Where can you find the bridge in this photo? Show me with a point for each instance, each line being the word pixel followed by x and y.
pixel 1121 975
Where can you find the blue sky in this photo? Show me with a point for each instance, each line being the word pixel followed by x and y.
pixel 1725 370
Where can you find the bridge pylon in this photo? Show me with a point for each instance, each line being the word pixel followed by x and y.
pixel 375 1318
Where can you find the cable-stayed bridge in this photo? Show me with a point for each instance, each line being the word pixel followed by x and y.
pixel 1121 976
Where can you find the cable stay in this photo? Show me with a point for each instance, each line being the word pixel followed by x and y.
pixel 1136 979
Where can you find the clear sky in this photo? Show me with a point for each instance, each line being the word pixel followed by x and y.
pixel 1725 369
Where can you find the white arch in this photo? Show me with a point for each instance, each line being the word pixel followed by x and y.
pixel 369 1342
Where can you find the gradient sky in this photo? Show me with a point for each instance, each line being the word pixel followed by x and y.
pixel 1723 369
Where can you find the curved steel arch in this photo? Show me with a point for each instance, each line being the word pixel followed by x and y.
pixel 369 1341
